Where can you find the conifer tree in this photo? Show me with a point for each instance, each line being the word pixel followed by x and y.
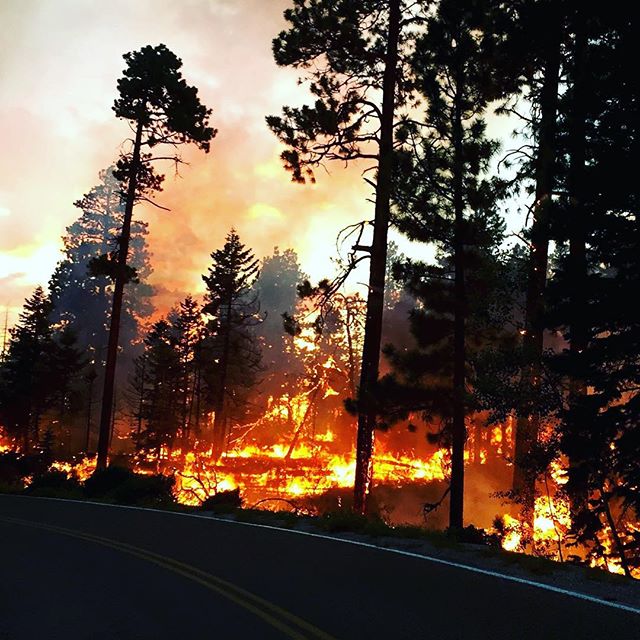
pixel 81 293
pixel 162 109
pixel 231 346
pixel 65 370
pixel 532 68
pixel 25 381
pixel 188 326
pixel 354 55
pixel 277 290
pixel 443 197
pixel 158 382
pixel 595 279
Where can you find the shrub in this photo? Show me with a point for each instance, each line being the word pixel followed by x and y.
pixel 104 481
pixel 14 468
pixel 122 485
pixel 145 490
pixel 54 484
pixel 345 520
pixel 223 502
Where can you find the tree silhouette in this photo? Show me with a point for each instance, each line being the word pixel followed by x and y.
pixel 82 293
pixel 25 381
pixel 276 289
pixel 231 306
pixel 595 278
pixel 157 380
pixel 353 54
pixel 161 109
pixel 442 198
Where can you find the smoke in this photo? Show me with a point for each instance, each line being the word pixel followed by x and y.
pixel 56 118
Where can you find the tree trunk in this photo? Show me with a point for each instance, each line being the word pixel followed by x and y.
pixel 116 312
pixel 141 399
pixel 375 296
pixel 459 432
pixel 527 426
pixel 619 545
pixel 579 334
pixel 87 443
pixel 220 418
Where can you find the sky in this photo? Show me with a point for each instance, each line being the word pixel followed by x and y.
pixel 59 64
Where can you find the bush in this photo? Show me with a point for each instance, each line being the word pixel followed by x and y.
pixel 474 535
pixel 104 481
pixel 145 490
pixel 123 486
pixel 345 520
pixel 223 502
pixel 54 484
pixel 14 468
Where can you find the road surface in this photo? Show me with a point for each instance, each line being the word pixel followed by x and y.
pixel 78 570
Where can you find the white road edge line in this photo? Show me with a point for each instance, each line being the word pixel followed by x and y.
pixel 448 563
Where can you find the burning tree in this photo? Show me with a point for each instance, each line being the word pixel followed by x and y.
pixel 231 346
pixel 161 109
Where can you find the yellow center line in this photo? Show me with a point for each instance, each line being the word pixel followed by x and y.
pixel 265 610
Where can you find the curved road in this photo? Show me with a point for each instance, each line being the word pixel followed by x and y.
pixel 78 570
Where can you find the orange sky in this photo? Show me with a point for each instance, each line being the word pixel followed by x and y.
pixel 59 63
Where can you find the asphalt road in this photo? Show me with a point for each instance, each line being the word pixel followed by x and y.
pixel 77 570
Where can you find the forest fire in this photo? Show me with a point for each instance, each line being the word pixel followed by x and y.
pixel 268 474
pixel 473 383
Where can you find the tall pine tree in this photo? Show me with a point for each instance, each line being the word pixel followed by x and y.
pixel 162 109
pixel 232 349
pixel 355 58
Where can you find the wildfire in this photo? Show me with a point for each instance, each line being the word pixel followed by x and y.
pixel 264 473
pixel 82 470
